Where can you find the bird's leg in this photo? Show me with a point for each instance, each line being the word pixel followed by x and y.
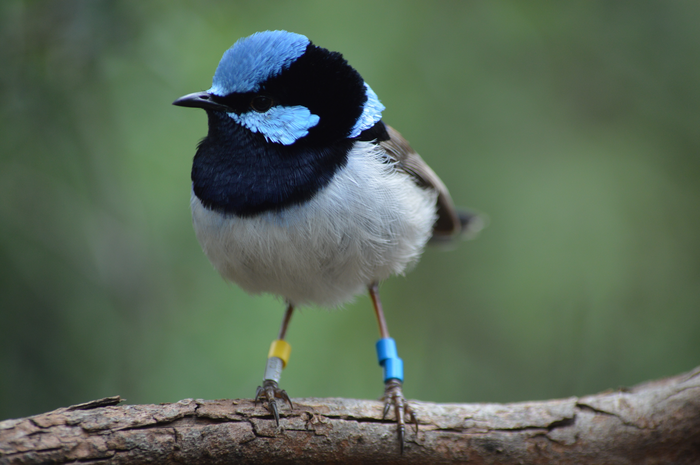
pixel 277 359
pixel 393 372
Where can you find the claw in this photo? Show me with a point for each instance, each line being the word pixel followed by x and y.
pixel 387 406
pixel 273 406
pixel 268 392
pixel 393 396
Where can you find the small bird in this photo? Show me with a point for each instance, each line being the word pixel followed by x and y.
pixel 300 190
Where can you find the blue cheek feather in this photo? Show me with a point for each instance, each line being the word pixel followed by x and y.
pixel 282 125
pixel 371 113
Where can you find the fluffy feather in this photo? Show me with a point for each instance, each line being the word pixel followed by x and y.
pixel 372 221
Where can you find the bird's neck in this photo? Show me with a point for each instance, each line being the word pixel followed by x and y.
pixel 239 172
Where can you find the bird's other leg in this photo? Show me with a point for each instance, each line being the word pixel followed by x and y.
pixel 393 372
pixel 277 359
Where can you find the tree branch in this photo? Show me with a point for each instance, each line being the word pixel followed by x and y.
pixel 653 423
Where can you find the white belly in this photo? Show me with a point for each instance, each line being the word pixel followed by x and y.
pixel 370 222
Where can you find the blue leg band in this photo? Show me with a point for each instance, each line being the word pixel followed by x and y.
pixel 389 359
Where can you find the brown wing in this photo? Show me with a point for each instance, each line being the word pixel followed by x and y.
pixel 450 221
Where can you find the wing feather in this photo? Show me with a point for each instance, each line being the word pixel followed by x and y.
pixel 450 221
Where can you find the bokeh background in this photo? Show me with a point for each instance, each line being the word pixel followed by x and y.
pixel 575 126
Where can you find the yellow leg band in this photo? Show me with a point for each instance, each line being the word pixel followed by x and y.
pixel 280 349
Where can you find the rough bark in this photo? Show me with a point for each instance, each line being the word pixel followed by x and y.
pixel 654 423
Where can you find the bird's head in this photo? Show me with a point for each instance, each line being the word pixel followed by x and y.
pixel 280 85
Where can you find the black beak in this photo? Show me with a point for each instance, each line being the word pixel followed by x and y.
pixel 201 100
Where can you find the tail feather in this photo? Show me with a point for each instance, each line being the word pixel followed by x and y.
pixel 470 222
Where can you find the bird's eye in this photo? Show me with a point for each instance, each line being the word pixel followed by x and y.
pixel 261 103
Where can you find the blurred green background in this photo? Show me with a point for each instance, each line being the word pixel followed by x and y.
pixel 574 125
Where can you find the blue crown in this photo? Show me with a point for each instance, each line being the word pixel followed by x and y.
pixel 254 59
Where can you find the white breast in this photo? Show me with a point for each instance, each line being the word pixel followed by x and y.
pixel 370 222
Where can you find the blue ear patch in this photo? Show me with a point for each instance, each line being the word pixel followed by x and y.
pixel 371 113
pixel 254 59
pixel 283 125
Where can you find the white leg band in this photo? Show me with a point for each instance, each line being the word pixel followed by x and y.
pixel 273 369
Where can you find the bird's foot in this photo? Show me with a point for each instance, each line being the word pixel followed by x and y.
pixel 393 396
pixel 268 392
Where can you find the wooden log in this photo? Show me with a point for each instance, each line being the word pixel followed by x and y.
pixel 656 422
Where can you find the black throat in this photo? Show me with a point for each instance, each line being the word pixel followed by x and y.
pixel 238 172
